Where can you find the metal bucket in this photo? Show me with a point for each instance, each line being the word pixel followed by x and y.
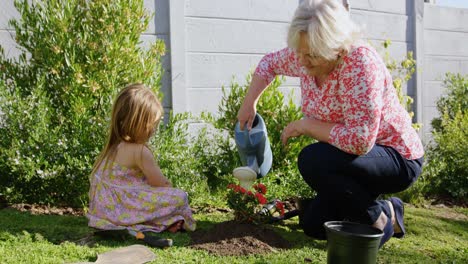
pixel 350 242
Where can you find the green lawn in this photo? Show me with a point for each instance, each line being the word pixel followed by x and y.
pixel 435 235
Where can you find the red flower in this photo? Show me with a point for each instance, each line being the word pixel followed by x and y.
pixel 261 188
pixel 261 199
pixel 280 207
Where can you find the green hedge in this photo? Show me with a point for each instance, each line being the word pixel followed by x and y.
pixel 447 166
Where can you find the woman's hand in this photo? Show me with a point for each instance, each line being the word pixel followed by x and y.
pixel 293 129
pixel 246 115
pixel 308 126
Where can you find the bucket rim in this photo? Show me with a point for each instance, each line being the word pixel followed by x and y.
pixel 330 224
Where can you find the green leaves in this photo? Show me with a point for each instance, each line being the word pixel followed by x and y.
pixel 401 71
pixel 447 166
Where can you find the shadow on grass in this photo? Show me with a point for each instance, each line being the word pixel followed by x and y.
pixel 58 229
pixel 55 228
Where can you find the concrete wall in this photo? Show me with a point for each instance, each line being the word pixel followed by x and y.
pixel 445 49
pixel 215 41
pixel 210 42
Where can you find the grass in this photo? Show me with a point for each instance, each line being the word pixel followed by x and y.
pixel 435 235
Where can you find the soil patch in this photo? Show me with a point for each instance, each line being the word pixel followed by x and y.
pixel 36 209
pixel 233 238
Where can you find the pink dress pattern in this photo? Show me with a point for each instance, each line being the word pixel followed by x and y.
pixel 358 96
pixel 120 198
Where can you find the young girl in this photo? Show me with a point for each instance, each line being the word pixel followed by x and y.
pixel 128 189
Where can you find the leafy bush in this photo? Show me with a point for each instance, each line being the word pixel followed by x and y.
pixel 447 167
pixel 195 161
pixel 401 71
pixel 454 101
pixel 56 97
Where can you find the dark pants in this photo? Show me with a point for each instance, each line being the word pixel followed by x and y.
pixel 348 185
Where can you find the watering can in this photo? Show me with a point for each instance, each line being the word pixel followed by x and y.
pixel 254 151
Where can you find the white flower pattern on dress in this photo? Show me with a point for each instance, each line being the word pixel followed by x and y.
pixel 358 96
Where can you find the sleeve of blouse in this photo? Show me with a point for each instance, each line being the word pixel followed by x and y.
pixel 282 62
pixel 361 86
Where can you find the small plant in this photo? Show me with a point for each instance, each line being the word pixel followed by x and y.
pixel 251 206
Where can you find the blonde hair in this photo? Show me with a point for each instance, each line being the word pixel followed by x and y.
pixel 135 115
pixel 328 26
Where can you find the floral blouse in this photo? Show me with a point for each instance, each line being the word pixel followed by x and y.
pixel 358 96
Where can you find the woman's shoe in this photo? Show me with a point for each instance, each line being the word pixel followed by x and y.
pixel 399 209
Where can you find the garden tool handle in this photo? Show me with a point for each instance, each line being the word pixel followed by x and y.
pixel 152 241
pixel 158 242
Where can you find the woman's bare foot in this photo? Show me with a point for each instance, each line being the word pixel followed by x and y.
pixel 175 226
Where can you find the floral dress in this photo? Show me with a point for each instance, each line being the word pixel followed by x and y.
pixel 120 198
pixel 358 96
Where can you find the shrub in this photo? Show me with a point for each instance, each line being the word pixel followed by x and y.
pixel 195 162
pixel 447 167
pixel 454 101
pixel 401 71
pixel 76 55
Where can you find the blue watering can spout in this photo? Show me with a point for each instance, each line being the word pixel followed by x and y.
pixel 254 147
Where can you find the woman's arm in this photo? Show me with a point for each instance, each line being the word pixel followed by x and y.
pixel 151 170
pixel 283 62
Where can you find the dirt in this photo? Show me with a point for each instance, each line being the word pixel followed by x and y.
pixel 47 210
pixel 233 238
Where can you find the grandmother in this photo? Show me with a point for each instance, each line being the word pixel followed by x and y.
pixel 366 144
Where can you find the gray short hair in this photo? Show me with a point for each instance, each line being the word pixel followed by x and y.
pixel 328 25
